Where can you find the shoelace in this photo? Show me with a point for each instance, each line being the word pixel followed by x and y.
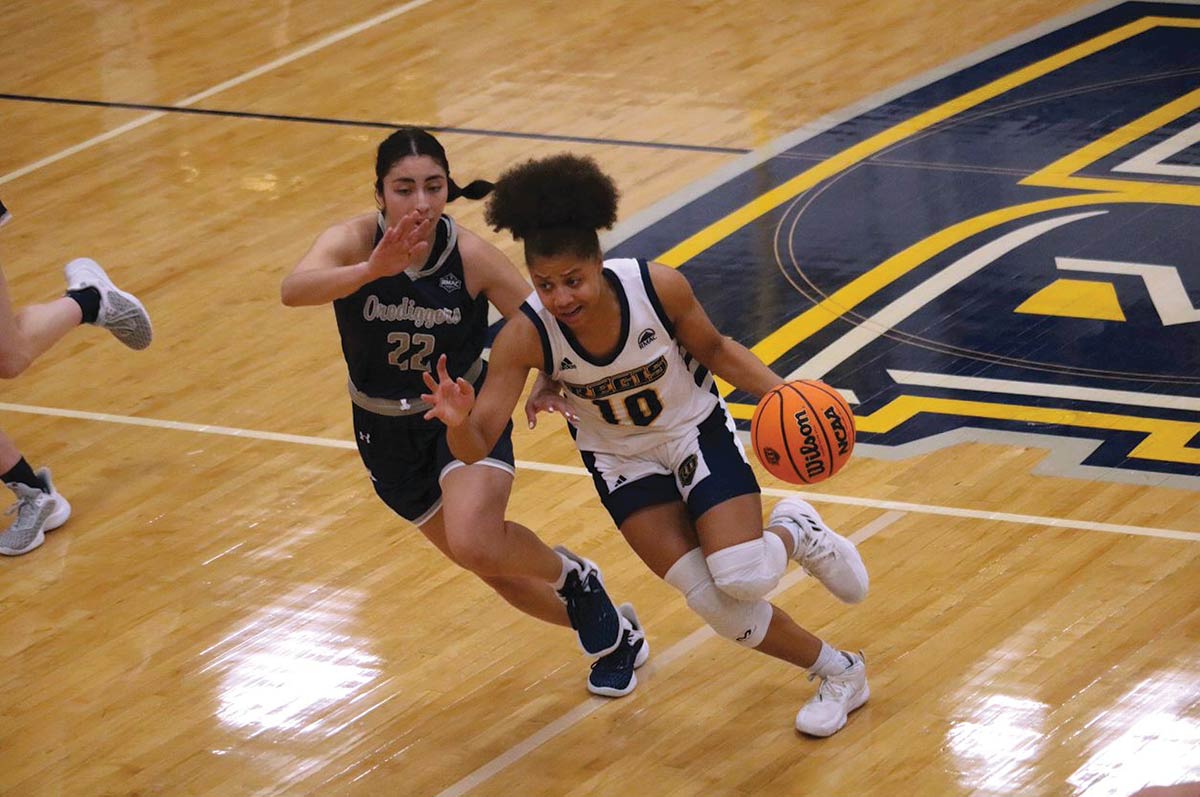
pixel 20 504
pixel 833 687
pixel 573 594
pixel 23 526
pixel 817 544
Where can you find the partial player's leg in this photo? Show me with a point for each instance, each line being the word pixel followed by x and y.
pixel 463 513
pixel 39 507
pixel 474 498
pixel 92 298
pixel 576 599
pixel 663 537
pixel 745 559
pixel 532 595
pixel 27 332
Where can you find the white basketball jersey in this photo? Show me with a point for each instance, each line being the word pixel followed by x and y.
pixel 650 391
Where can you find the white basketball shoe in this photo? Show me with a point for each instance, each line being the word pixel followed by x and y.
pixel 838 695
pixel 826 555
pixel 121 313
pixel 36 513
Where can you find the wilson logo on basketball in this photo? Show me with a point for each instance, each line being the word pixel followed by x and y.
pixel 803 431
pixel 809 449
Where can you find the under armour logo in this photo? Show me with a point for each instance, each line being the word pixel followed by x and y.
pixel 366 438
pixel 566 364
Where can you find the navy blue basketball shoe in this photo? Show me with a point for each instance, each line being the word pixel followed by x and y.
pixel 613 675
pixel 589 608
pixel 5 216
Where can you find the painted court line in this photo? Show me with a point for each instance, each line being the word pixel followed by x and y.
pixel 979 514
pixel 872 503
pixel 659 661
pixel 141 121
pixel 368 123
pixel 200 428
pixel 1015 387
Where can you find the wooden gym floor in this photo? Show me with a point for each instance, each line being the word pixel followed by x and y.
pixel 230 609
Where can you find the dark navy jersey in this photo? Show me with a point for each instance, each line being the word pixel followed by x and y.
pixel 395 328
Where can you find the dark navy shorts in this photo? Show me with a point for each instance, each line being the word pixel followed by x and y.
pixel 407 456
pixel 702 466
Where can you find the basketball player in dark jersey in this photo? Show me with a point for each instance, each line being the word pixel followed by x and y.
pixel 410 286
pixel 651 429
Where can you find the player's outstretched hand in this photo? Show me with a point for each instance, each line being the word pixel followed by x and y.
pixel 403 245
pixel 452 399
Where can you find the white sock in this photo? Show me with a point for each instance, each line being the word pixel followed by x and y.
pixel 792 531
pixel 831 661
pixel 568 565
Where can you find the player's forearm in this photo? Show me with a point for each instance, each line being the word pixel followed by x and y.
pixel 467 442
pixel 322 285
pixel 738 366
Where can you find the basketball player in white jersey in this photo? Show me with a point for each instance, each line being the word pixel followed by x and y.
pixel 635 353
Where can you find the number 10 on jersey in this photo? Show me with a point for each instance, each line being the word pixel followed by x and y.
pixel 641 408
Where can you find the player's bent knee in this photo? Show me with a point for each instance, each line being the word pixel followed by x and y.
pixel 479 555
pixel 749 570
pixel 742 621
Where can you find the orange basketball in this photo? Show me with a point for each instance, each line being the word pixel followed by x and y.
pixel 803 431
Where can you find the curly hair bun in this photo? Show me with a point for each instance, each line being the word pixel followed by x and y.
pixel 563 192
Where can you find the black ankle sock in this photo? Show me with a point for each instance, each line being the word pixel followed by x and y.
pixel 22 473
pixel 89 303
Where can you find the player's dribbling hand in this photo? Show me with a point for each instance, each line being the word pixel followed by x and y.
pixel 403 245
pixel 452 399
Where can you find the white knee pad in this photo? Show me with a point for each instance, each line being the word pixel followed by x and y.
pixel 745 622
pixel 749 570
